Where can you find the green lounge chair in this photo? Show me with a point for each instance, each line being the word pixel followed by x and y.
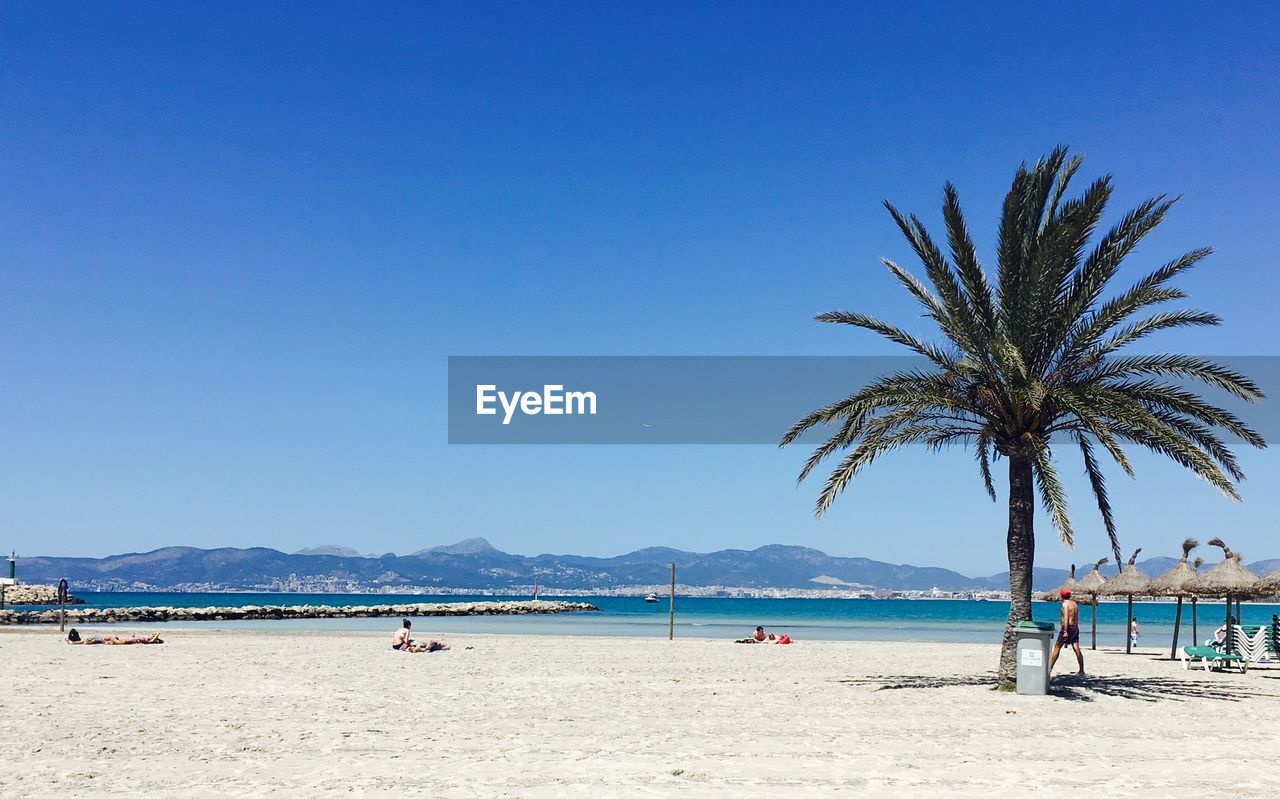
pixel 1208 655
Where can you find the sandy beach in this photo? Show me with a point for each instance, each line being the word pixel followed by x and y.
pixel 309 714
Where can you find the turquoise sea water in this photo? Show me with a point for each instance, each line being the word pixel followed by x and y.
pixel 831 619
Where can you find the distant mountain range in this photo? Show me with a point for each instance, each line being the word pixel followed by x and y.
pixel 473 563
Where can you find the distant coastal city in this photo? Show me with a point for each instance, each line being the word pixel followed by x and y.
pixel 474 568
pixel 312 584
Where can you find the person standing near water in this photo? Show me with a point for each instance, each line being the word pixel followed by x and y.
pixel 1070 633
pixel 1133 632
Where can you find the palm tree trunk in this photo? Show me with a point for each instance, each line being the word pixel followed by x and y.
pixel 1022 550
pixel 1093 622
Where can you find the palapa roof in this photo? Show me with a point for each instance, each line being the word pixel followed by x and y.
pixel 1228 578
pixel 1129 581
pixel 1269 586
pixel 1174 582
pixel 1091 582
pixel 1056 594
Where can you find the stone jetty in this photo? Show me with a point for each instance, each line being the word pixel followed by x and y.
pixel 268 612
pixel 23 594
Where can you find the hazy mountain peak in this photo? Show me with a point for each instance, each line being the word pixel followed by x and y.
pixel 342 552
pixel 467 546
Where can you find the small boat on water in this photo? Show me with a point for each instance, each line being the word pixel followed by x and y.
pixel 651 598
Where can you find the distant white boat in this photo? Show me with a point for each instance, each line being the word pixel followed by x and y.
pixel 651 598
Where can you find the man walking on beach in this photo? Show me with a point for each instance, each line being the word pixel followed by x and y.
pixel 1070 633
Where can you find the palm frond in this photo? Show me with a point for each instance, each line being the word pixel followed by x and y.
pixel 984 464
pixel 1165 396
pixel 1099 485
pixel 1052 494
pixel 891 332
pixel 965 255
pixel 1188 367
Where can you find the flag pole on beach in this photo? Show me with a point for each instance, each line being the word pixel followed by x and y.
pixel 671 617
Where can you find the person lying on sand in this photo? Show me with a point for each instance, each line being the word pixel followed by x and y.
pixel 73 637
pixel 154 638
pixel 401 642
pixel 759 637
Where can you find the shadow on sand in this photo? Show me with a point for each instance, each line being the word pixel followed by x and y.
pixel 1084 689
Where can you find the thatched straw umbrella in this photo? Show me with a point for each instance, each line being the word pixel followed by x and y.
pixel 1128 582
pixel 1269 586
pixel 1088 585
pixel 1229 578
pixel 1174 583
pixel 1056 594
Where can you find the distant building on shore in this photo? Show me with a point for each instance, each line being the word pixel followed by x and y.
pixel 12 579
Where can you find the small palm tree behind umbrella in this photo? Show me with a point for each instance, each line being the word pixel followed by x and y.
pixel 1128 582
pixel 1174 583
pixel 1088 586
pixel 1228 579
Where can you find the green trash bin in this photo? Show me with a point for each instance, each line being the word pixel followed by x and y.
pixel 1034 642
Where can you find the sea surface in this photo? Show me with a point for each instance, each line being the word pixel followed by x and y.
pixel 934 620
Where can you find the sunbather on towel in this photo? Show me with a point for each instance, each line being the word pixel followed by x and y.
pixel 73 637
pixel 759 637
pixel 154 638
pixel 401 641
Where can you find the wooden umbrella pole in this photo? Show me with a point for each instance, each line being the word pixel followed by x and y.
pixel 1177 622
pixel 1093 620
pixel 1128 626
pixel 1226 642
pixel 1195 628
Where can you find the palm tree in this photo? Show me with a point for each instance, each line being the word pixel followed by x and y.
pixel 1034 362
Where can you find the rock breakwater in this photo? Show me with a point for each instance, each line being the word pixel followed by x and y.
pixel 270 612
pixel 23 594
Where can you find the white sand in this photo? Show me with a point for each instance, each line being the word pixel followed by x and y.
pixel 307 714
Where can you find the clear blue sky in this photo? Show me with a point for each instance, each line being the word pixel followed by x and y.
pixel 237 244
